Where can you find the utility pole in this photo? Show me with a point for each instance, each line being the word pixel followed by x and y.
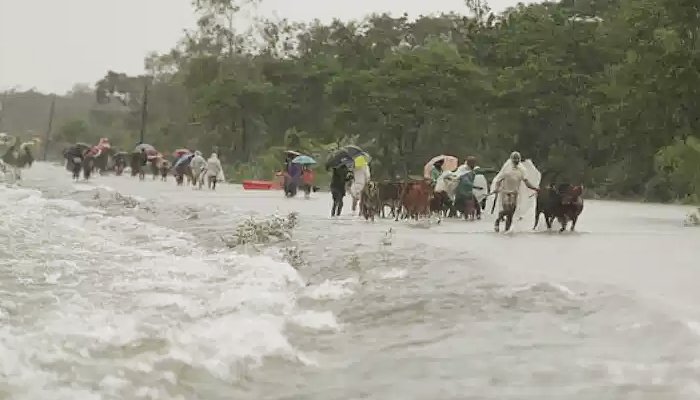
pixel 144 110
pixel 48 130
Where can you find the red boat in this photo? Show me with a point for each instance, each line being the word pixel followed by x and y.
pixel 259 185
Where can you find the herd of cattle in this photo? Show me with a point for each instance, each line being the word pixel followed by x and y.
pixel 416 198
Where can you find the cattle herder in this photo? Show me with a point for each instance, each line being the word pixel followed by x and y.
pixel 340 178
pixel 507 187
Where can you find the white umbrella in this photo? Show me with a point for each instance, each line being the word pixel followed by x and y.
pixel 146 147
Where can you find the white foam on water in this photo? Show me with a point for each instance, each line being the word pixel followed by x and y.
pixel 394 273
pixel 331 289
pixel 83 187
pixel 316 320
pixel 96 306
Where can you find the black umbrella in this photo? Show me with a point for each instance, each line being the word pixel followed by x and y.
pixel 82 146
pixel 77 150
pixel 354 151
pixel 346 156
pixel 339 158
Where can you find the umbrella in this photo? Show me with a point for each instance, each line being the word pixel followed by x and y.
pixel 351 156
pixel 361 158
pixel 95 151
pixel 303 160
pixel 353 151
pixel 78 148
pixel 144 146
pixel 104 143
pixel 180 152
pixel 340 158
pixel 449 164
pixel 184 160
pixel 292 152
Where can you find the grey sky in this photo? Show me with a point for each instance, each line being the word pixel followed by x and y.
pixel 53 44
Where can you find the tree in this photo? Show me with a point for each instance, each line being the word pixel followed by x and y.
pixel 599 92
pixel 73 131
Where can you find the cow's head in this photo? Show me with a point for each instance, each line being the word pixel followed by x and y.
pixel 570 194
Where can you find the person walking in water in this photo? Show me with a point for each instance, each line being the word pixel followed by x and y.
pixel 213 170
pixel 507 186
pixel 294 172
pixel 308 177
pixel 198 164
pixel 341 177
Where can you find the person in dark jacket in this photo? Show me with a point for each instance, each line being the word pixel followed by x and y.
pixel 293 176
pixel 339 180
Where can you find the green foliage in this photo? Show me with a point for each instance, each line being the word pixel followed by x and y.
pixel 679 164
pixel 74 131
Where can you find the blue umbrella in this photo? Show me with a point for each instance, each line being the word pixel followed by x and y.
pixel 184 160
pixel 303 160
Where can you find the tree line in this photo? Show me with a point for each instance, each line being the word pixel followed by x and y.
pixel 599 92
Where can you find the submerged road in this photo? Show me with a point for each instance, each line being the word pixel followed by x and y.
pixel 115 289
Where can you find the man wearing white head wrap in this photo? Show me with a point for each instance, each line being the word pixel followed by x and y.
pixel 507 187
pixel 198 165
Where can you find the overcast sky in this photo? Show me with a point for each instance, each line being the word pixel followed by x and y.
pixel 52 44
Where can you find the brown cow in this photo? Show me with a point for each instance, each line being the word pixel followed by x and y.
pixel 369 201
pixel 416 199
pixel 164 170
pixel 389 194
pixel 181 172
pixel 137 163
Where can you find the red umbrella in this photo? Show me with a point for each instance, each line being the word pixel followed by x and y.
pixel 180 152
pixel 152 154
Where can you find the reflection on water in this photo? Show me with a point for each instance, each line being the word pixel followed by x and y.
pixel 118 289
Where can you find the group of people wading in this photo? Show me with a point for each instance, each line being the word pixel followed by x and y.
pixel 297 173
pixel 449 190
pixel 184 165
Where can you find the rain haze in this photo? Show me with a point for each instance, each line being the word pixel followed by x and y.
pixel 77 41
pixel 435 212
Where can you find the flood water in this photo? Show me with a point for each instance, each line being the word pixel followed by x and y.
pixel 120 289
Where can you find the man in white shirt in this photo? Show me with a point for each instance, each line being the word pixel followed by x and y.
pixel 507 186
